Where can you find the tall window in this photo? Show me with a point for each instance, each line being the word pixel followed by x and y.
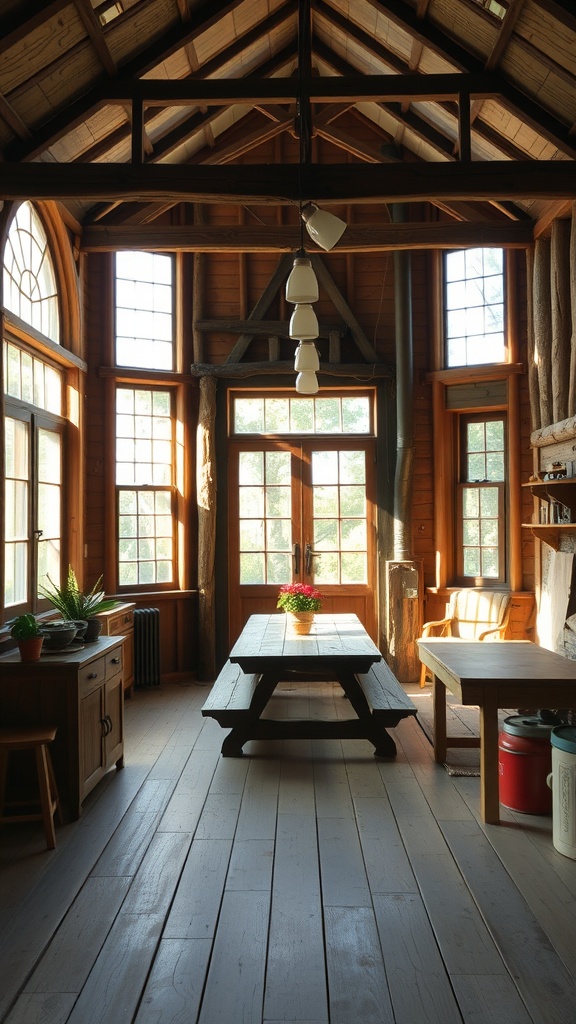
pixel 474 307
pixel 33 500
pixel 29 279
pixel 145 486
pixel 144 310
pixel 481 500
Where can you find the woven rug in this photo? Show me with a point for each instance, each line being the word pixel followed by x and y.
pixel 461 720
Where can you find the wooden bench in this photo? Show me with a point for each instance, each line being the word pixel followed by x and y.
pixel 231 695
pixel 236 702
pixel 385 695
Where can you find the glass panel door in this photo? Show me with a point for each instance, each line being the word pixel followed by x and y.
pixel 301 511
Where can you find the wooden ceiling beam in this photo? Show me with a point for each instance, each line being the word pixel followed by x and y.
pixel 355 87
pixel 271 184
pixel 286 238
pixel 95 34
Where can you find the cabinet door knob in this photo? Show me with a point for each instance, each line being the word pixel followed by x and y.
pixel 115 661
pixel 93 675
pixel 105 725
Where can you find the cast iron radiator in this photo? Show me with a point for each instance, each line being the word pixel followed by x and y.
pixel 146 647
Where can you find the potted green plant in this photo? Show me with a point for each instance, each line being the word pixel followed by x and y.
pixel 72 604
pixel 27 632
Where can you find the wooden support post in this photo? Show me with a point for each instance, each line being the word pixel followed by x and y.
pixel 206 498
pixel 560 317
pixel 543 327
pixel 572 390
pixel 533 391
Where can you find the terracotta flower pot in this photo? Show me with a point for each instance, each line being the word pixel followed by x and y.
pixel 31 648
pixel 300 622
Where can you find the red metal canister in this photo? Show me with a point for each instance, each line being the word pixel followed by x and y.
pixel 524 762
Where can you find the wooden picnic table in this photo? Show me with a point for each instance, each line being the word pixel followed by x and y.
pixel 337 648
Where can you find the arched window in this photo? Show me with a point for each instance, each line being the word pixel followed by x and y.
pixel 29 280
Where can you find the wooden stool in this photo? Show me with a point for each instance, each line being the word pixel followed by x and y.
pixel 36 740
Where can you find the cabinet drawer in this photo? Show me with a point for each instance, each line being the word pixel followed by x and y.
pixel 92 676
pixel 121 623
pixel 113 662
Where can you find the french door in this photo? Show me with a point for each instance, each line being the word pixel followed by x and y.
pixel 303 511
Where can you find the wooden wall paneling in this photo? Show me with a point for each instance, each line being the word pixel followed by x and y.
pixel 198 286
pixel 99 351
pixel 443 487
pixel 74 491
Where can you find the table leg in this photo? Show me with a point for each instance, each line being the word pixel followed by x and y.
pixel 489 777
pixel 247 727
pixel 439 697
pixel 373 730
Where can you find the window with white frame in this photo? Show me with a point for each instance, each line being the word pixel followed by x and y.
pixel 144 310
pixel 29 280
pixel 145 472
pixel 474 307
pixel 33 503
pixel 481 500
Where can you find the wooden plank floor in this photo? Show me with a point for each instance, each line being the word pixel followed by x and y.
pixel 305 883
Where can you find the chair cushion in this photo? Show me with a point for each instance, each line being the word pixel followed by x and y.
pixel 474 611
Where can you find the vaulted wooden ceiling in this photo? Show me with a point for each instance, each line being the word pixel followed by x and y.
pixel 121 108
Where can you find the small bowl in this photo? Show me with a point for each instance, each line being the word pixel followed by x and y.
pixel 58 635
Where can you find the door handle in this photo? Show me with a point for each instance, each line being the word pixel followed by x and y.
pixel 308 556
pixel 296 556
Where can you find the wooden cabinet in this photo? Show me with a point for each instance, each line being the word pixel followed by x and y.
pixel 119 621
pixel 101 718
pixel 80 693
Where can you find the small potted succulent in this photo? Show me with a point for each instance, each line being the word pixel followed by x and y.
pixel 300 601
pixel 27 632
pixel 73 605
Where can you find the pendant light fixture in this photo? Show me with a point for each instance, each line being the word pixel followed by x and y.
pixel 302 284
pixel 325 228
pixel 307 383
pixel 306 357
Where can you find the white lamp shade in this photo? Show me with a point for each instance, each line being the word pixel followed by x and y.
pixel 325 228
pixel 302 285
pixel 306 357
pixel 307 383
pixel 303 323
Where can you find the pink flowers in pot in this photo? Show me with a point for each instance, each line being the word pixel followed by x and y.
pixel 299 597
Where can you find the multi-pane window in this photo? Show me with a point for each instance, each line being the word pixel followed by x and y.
pixel 265 513
pixel 33 507
pixel 331 415
pixel 145 486
pixel 474 307
pixel 144 310
pixel 33 493
pixel 481 500
pixel 29 278
pixel 339 516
